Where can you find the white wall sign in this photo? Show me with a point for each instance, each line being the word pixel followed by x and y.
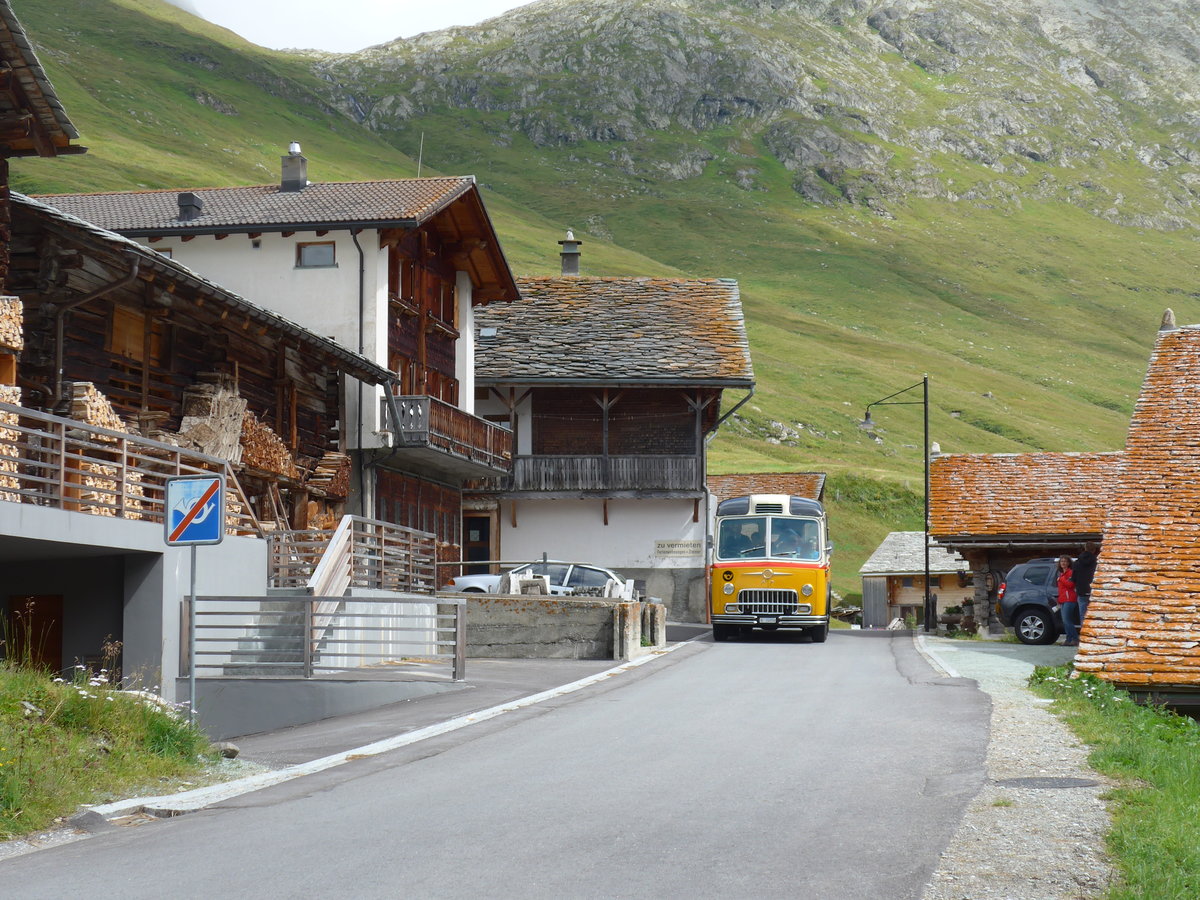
pixel 678 548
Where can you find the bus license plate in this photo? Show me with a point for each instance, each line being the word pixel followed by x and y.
pixel 766 620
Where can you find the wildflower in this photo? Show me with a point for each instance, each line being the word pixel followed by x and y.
pixel 109 699
pixel 59 681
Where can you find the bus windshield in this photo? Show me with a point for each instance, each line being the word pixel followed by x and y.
pixel 761 537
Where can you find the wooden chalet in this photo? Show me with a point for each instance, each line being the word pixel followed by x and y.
pixel 1143 626
pixel 32 123
pixel 394 269
pixel 999 509
pixel 611 386
pixel 124 338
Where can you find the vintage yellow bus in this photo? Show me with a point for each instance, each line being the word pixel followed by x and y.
pixel 770 566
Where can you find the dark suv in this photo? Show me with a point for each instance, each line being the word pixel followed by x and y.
pixel 1029 592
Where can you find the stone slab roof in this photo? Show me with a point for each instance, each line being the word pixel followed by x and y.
pixel 800 484
pixel 170 270
pixel 1020 495
pixel 50 129
pixel 903 553
pixel 571 329
pixel 1143 625
pixel 338 204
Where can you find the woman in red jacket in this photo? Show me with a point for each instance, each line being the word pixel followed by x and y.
pixel 1068 602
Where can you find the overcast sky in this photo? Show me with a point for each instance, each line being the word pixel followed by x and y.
pixel 341 25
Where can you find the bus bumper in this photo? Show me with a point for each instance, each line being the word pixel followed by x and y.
pixel 768 621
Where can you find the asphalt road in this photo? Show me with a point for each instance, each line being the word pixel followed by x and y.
pixel 758 768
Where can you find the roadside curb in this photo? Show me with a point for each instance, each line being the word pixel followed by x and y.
pixel 200 798
pixel 933 657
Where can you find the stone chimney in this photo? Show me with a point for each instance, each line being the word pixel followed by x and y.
pixel 1168 321
pixel 570 254
pixel 295 169
pixel 190 206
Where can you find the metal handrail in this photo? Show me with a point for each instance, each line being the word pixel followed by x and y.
pixel 257 637
pixel 48 460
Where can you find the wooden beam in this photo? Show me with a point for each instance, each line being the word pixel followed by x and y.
pixel 221 237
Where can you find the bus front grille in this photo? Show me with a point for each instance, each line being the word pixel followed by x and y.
pixel 765 601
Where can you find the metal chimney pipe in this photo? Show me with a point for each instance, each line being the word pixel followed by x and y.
pixel 570 254
pixel 294 169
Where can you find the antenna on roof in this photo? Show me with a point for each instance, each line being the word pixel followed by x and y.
pixel 420 153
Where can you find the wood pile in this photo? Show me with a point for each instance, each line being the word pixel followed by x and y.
pixel 321 517
pixel 331 477
pixel 100 485
pixel 213 417
pixel 11 337
pixel 9 451
pixel 263 450
pixel 90 406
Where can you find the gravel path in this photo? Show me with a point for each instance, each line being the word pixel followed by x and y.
pixel 1035 841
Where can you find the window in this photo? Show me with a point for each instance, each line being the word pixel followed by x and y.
pixel 935 581
pixel 742 538
pixel 166 251
pixel 906 581
pixel 587 577
pixel 317 255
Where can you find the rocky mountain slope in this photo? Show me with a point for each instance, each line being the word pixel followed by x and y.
pixel 865 102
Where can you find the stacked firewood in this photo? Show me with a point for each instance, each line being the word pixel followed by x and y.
pixel 332 475
pixel 213 419
pixel 90 406
pixel 11 337
pixel 263 450
pixel 9 452
pixel 100 483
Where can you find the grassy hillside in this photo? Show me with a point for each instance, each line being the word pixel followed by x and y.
pixel 1033 318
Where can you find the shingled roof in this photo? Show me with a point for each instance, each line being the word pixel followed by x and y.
pixel 575 330
pixel 1143 625
pixel 903 553
pixel 27 92
pixel 800 484
pixel 405 201
pixel 1020 496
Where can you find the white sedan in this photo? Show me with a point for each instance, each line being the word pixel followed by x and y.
pixel 565 578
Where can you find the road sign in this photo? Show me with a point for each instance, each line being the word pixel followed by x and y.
pixel 195 507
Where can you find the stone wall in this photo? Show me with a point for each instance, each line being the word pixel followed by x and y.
pixel 539 627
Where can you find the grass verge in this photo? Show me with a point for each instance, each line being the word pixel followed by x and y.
pixel 1155 839
pixel 67 743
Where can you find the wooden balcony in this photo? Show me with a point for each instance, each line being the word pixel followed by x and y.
pixel 570 476
pixel 446 438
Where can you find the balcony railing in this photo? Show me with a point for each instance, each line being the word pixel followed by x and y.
pixel 62 463
pixel 426 422
pixel 598 473
pixel 364 553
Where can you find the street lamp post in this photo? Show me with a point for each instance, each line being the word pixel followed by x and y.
pixel 923 384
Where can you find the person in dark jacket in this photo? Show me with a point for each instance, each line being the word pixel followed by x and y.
pixel 1067 602
pixel 1083 570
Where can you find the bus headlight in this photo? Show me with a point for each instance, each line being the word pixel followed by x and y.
pixel 728 589
pixel 806 590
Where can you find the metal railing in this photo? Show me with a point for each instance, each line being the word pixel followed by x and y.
pixel 598 473
pixel 62 463
pixel 429 422
pixel 366 637
pixel 363 553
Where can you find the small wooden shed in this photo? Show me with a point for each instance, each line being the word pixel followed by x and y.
pixel 893 579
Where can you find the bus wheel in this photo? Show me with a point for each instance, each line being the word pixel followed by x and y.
pixel 722 632
pixel 818 633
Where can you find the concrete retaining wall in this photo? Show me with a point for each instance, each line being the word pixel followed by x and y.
pixel 535 627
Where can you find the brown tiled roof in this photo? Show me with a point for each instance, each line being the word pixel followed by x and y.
pixel 1143 624
pixel 369 203
pixel 572 330
pixel 50 129
pixel 1020 495
pixel 801 484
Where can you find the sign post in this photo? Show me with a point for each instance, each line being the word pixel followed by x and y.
pixel 194 514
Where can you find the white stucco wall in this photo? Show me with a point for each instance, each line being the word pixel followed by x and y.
pixel 574 530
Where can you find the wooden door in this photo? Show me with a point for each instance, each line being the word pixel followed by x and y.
pixel 477 542
pixel 34 631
